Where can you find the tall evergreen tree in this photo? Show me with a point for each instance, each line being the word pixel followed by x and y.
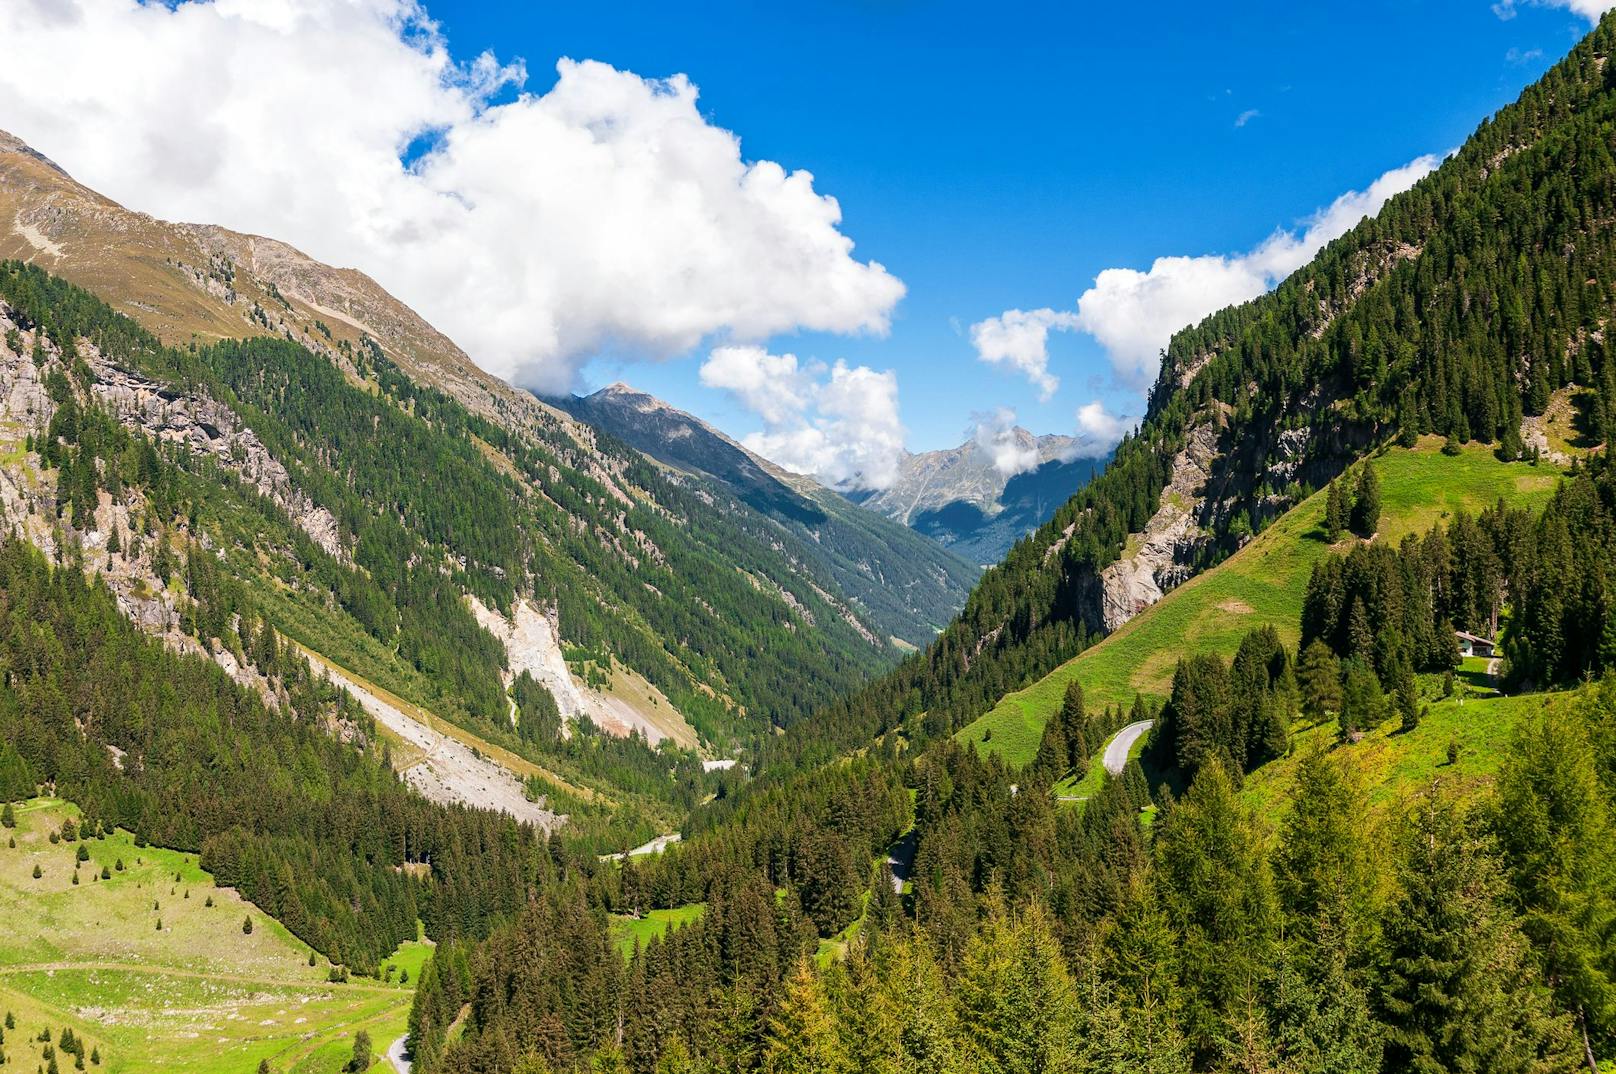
pixel 1319 675
pixel 1553 821
pixel 1337 511
pixel 1458 991
pixel 1366 502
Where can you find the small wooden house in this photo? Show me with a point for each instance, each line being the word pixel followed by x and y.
pixel 1475 645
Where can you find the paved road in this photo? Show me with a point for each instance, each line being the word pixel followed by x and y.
pixel 901 860
pixel 395 1055
pixel 1116 751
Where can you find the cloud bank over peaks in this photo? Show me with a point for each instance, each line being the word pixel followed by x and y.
pixel 1133 313
pixel 536 229
pixel 995 433
pixel 838 423
pixel 1099 431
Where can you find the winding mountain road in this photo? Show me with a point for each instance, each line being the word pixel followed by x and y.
pixel 395 1055
pixel 1116 751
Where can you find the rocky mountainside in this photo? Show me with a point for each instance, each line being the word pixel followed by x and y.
pixel 679 608
pixel 962 500
pixel 906 585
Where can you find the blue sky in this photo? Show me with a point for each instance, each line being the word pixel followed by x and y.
pixel 560 189
pixel 1000 156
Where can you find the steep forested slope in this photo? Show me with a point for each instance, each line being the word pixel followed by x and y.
pixel 735 622
pixel 1457 311
pixel 418 502
pixel 907 587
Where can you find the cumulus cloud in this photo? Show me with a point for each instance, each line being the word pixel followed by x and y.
pixel 995 432
pixel 838 423
pixel 1133 314
pixel 1020 339
pixel 1098 431
pixel 1588 9
pixel 536 229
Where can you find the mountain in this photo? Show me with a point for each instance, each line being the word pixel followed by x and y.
pixel 906 585
pixel 1198 780
pixel 438 534
pixel 961 499
pixel 1470 308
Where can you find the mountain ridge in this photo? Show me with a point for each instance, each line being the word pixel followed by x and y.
pixel 907 585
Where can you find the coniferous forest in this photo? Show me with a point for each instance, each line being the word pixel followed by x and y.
pixel 856 886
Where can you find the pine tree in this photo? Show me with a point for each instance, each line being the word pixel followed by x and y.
pixel 1320 680
pixel 1457 991
pixel 1366 503
pixel 1337 512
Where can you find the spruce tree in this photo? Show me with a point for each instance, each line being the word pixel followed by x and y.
pixel 802 1036
pixel 1212 883
pixel 1016 1002
pixel 1458 991
pixel 1554 824
pixel 1336 511
pixel 1319 675
pixel 1366 503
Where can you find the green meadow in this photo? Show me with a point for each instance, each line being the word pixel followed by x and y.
pixel 631 932
pixel 1263 583
pixel 152 966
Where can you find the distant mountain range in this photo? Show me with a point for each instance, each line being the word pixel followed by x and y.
pixel 962 500
pixel 957 497
pixel 904 584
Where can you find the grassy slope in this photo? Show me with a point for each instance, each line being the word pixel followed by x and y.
pixel 198 996
pixel 630 931
pixel 1262 583
pixel 1392 765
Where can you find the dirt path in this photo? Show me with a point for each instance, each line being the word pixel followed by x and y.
pixel 1116 751
pixel 449 771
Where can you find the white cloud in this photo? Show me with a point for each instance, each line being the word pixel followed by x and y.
pixel 606 213
pixel 1099 431
pixel 1133 314
pixel 1246 117
pixel 1012 451
pixel 838 423
pixel 1588 9
pixel 1020 340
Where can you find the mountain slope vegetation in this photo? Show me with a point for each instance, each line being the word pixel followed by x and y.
pixel 1321 884
pixel 1264 584
pixel 687 585
pixel 1485 288
pixel 906 586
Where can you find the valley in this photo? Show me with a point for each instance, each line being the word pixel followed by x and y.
pixel 363 711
